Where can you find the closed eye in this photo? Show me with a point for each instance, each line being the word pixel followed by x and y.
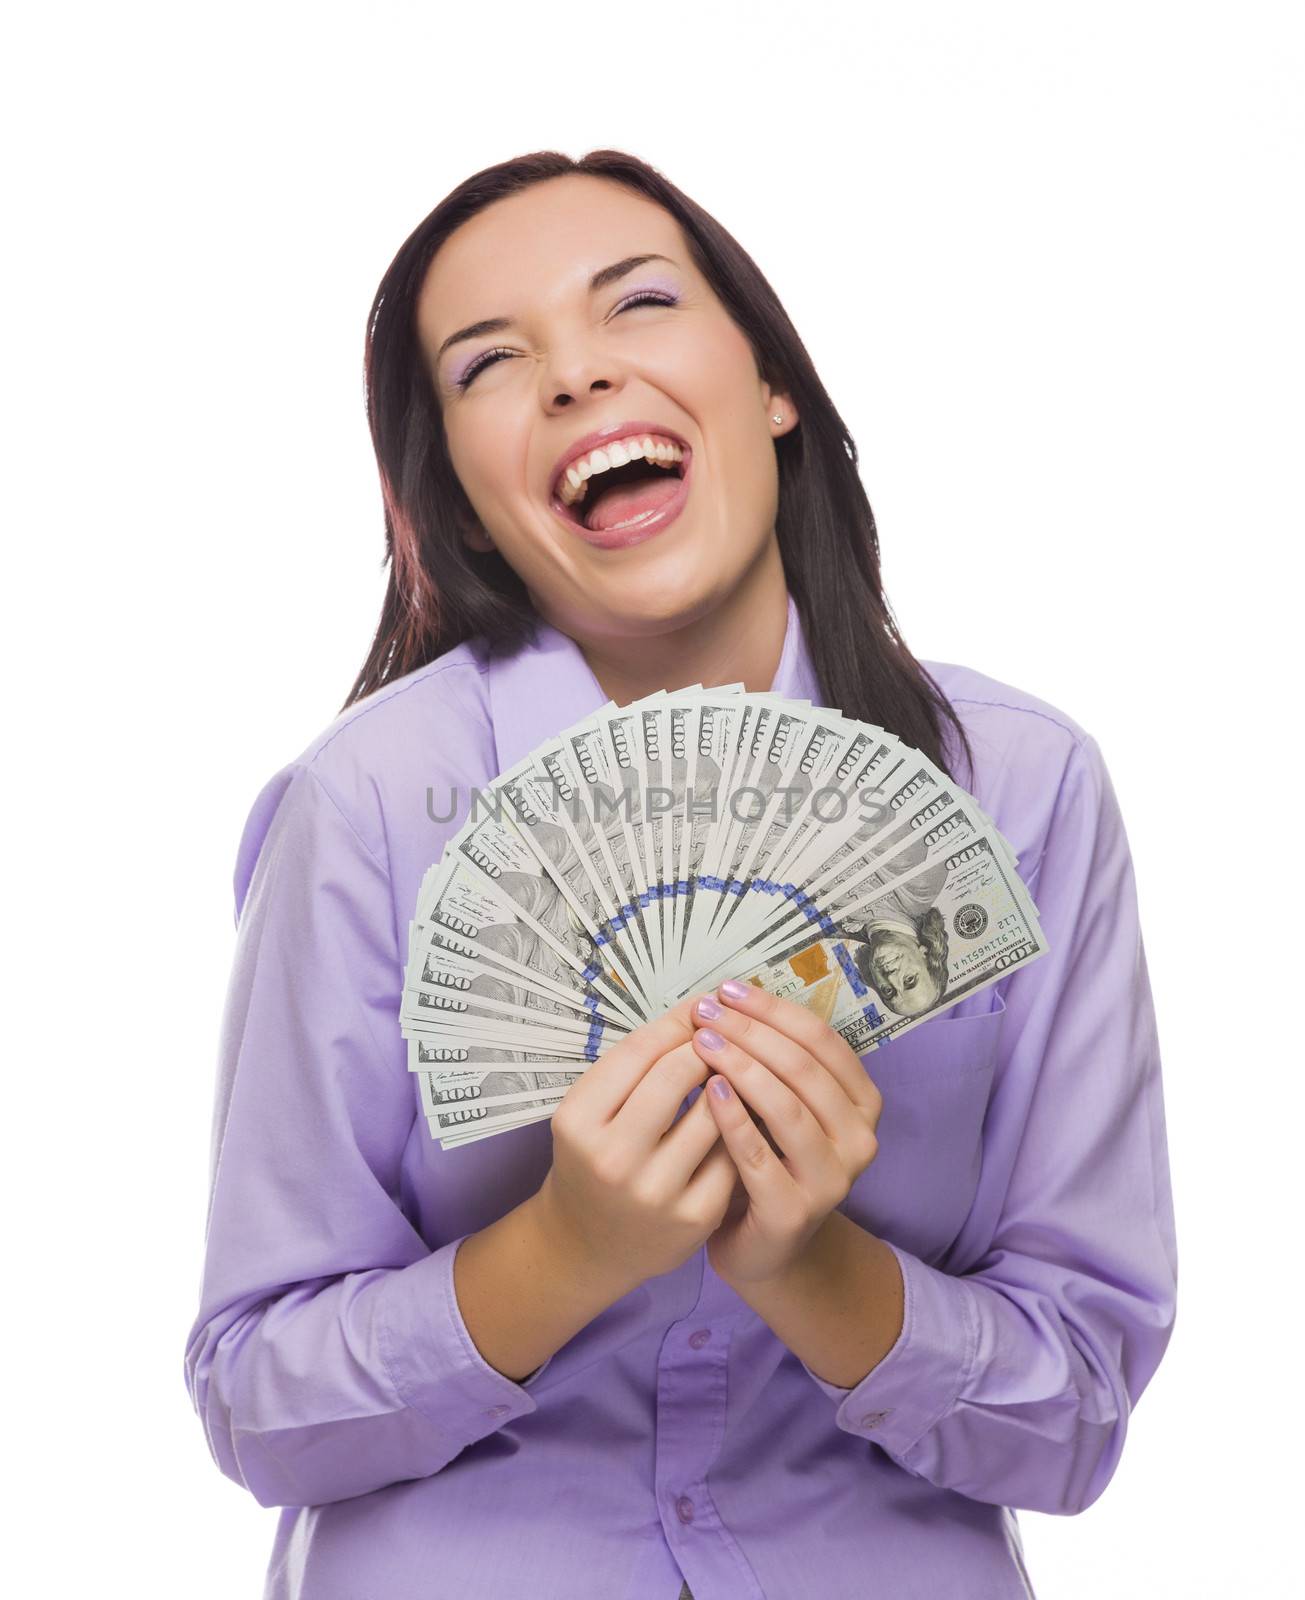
pixel 488 358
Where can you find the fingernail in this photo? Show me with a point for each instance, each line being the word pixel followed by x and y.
pixel 707 1007
pixel 719 1088
pixel 710 1039
pixel 732 989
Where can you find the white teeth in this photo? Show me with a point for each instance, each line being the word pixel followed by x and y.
pixel 661 452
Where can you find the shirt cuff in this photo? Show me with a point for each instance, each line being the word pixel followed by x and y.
pixel 920 1379
pixel 433 1360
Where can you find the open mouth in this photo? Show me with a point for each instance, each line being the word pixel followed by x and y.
pixel 623 496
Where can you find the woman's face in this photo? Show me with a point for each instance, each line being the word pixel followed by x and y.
pixel 576 360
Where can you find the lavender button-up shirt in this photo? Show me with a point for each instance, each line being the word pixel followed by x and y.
pixel 1022 1181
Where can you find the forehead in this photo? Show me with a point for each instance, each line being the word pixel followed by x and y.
pixel 537 249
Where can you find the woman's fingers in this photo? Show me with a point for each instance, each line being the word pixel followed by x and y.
pixel 668 1157
pixel 651 1105
pixel 752 1016
pixel 787 1061
pixel 771 1189
pixel 810 1057
pixel 605 1086
pixel 710 1187
pixel 793 1125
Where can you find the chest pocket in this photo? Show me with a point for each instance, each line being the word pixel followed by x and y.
pixel 936 1081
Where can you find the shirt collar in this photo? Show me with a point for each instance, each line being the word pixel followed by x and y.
pixel 548 685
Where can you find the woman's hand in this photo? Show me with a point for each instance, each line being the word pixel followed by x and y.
pixel 778 1059
pixel 630 1194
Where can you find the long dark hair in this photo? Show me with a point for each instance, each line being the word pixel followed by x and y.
pixel 441 592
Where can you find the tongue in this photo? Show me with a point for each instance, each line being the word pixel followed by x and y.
pixel 622 501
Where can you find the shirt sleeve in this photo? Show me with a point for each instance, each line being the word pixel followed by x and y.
pixel 1014 1374
pixel 329 1356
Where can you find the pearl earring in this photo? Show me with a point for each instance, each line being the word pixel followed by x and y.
pixel 777 419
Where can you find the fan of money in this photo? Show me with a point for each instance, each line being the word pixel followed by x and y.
pixel 656 848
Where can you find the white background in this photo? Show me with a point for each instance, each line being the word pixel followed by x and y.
pixel 1048 261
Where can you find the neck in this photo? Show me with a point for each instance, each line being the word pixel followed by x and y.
pixel 739 640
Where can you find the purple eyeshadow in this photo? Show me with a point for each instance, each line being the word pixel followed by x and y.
pixel 661 285
pixel 457 375
pixel 666 286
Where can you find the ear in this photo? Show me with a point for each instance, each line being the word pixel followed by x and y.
pixel 778 404
pixel 474 535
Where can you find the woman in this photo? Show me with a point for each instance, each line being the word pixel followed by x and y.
pixel 631 1351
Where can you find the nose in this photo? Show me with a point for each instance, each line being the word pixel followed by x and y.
pixel 565 395
pixel 576 368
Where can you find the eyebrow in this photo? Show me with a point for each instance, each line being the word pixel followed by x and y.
pixel 600 280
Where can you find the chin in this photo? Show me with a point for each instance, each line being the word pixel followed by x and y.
pixel 653 620
pixel 670 594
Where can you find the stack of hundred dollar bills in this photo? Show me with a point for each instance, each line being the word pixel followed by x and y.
pixel 653 850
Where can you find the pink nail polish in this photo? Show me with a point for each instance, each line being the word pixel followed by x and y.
pixel 732 989
pixel 719 1088
pixel 707 1007
pixel 710 1039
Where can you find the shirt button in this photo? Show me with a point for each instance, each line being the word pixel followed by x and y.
pixel 495 1412
pixel 697 1340
pixel 684 1508
pixel 872 1419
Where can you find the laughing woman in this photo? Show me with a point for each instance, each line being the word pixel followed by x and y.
pixel 815 1339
